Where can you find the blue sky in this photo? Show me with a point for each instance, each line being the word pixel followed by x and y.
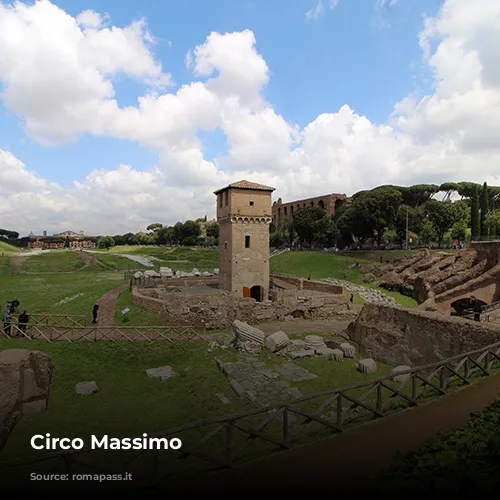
pixel 344 57
pixel 370 92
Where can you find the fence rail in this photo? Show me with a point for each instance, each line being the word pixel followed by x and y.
pixel 224 442
pixel 110 333
pixel 58 319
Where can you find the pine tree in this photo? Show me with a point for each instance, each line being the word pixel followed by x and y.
pixel 475 222
pixel 483 205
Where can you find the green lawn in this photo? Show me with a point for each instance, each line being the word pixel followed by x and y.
pixel 7 249
pixel 40 293
pixel 5 266
pixel 130 403
pixel 118 262
pixel 320 265
pixel 53 262
pixel 177 258
pixel 137 316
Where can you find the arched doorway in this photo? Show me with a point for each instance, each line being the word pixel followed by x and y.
pixel 257 293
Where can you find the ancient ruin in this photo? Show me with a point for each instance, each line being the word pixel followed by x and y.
pixel 242 287
pixel 328 202
pixel 413 337
pixel 443 282
pixel 25 378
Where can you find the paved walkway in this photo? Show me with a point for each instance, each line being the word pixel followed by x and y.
pixel 347 461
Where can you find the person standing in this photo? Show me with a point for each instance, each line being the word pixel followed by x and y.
pixel 95 309
pixel 23 321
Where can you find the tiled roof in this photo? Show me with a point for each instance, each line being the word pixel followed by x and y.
pixel 246 185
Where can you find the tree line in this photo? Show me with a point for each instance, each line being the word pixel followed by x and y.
pixel 396 215
pixel 382 215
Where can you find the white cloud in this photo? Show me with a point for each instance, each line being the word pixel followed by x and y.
pixel 318 11
pixel 58 77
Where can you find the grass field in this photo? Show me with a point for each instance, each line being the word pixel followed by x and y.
pixel 40 293
pixel 129 402
pixel 320 265
pixel 53 262
pixel 137 316
pixel 7 249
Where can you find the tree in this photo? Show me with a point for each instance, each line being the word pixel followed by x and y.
pixel 417 195
pixel 459 230
pixel 154 227
pixel 378 209
pixel 475 219
pixel 484 211
pixel 428 232
pixel 212 229
pixel 105 242
pixel 444 215
pixel 305 222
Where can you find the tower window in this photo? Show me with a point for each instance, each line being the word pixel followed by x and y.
pixel 251 203
pixel 247 241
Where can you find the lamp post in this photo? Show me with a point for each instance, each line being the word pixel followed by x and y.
pixel 406 239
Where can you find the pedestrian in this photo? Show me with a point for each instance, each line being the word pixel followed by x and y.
pixel 475 305
pixel 351 298
pixel 14 306
pixel 23 321
pixel 94 313
pixel 7 323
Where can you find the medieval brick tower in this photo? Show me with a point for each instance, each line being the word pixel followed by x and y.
pixel 244 213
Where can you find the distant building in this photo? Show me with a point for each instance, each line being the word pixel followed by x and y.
pixel 328 202
pixel 76 240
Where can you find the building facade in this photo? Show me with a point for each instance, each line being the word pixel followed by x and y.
pixel 55 241
pixel 328 202
pixel 244 215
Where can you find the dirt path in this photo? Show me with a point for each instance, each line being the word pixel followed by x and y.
pixel 347 461
pixel 107 306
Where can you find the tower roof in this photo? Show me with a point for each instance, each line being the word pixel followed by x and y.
pixel 246 185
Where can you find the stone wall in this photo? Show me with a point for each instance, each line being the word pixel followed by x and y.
pixel 218 310
pixel 151 282
pixel 487 250
pixel 141 299
pixel 304 284
pixel 25 378
pixel 413 337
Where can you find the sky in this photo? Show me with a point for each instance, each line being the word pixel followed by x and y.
pixel 115 114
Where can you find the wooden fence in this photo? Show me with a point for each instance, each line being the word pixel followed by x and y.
pixel 109 333
pixel 224 442
pixel 58 320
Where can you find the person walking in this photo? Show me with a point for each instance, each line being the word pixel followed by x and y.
pixel 95 309
pixel 7 323
pixel 23 321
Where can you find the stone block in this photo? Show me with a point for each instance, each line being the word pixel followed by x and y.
pixel 25 378
pixel 367 366
pixel 323 351
pixel 277 341
pixel 223 398
pixel 162 372
pixel 237 387
pixel 244 332
pixel 336 355
pixel 304 353
pixel 86 388
pixel 400 379
pixel 294 392
pixel 348 350
pixel 38 406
